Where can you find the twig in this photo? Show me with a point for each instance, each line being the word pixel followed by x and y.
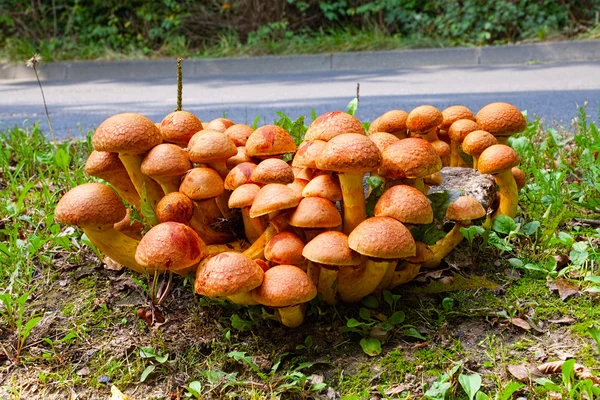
pixel 357 94
pixel 179 84
pixel 32 63
pixel 586 221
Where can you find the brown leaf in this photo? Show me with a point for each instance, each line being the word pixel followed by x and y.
pixel 111 264
pixel 396 389
pixel 524 373
pixel 566 319
pixel 521 323
pixel 581 372
pixel 564 288
pixel 550 368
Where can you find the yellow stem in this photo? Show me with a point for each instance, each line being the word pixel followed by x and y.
pixel 389 274
pixel 445 245
pixel 475 161
pixel 509 194
pixel 242 299
pixel 202 218
pixel 215 249
pixel 256 251
pixel 353 290
pixel 353 200
pixel 169 185
pixel 407 273
pixel 220 166
pixel 430 136
pixel 117 246
pixel 253 227
pixel 313 270
pixel 327 285
pixel 292 316
pixel 502 140
pixel 123 185
pixel 222 202
pixel 133 165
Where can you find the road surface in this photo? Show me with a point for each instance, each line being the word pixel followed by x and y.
pixel 551 91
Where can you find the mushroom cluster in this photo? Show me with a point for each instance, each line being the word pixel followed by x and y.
pixel 219 200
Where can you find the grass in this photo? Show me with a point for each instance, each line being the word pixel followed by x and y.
pixel 87 334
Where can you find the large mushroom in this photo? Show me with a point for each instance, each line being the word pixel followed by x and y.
pixel 383 240
pixel 96 208
pixel 268 141
pixel 330 252
pixel 132 136
pixel 501 120
pixel 286 288
pixel 351 155
pixel 231 275
pixel 498 160
pixel 325 127
pixel 392 122
pixel 462 211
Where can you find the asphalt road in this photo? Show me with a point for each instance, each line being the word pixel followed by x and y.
pixel 551 91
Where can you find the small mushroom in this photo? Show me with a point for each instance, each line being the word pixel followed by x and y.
pixel 239 134
pixel 285 248
pixel 239 175
pixel 325 127
pixel 405 204
pixel 501 120
pixel 109 167
pixel 220 124
pixel 451 115
pixel 286 288
pixel 175 207
pixel 520 177
pixel 231 275
pixel 325 186
pixel 179 127
pixel 166 164
pixel 268 141
pixel 392 122
pixel 273 170
pixel 213 149
pixel 476 142
pixel 457 132
pixel 498 160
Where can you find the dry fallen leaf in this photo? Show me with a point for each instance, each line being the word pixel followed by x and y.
pixel 564 288
pixel 567 319
pixel 524 373
pixel 117 394
pixel 581 372
pixel 396 389
pixel 111 264
pixel 521 323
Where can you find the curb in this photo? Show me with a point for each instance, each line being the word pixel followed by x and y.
pixel 588 50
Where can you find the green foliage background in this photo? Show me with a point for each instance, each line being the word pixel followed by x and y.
pixel 88 28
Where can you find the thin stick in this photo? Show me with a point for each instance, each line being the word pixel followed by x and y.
pixel 33 62
pixel 179 84
pixel 357 94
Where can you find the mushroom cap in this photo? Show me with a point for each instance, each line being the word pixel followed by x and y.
pixel 303 173
pixel 243 195
pixel 175 207
pixel 285 248
pixel 273 197
pixel 239 158
pixel 206 146
pixel 273 170
pixel 166 159
pixel 433 179
pixel 170 246
pixel 422 254
pixel 383 140
pixel 306 156
pixel 227 274
pixel 270 140
pixel 315 213
pixel 90 205
pixel 423 119
pixel 179 127
pixel 325 186
pixel 441 148
pixel 239 175
pixel 331 248
pixel 239 133
pixel 477 141
pixel 202 183
pixel 102 164
pixel 327 126
pixel 465 208
pixel 350 153
pixel 298 185
pixel 497 158
pixel 410 158
pixel 453 114
pixel 285 286
pixel 520 177
pixel 406 204
pixel 220 124
pixel 392 122
pixel 382 237
pixel 126 133
pixel 501 119
pixel 459 130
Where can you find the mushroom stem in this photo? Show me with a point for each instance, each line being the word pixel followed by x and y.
pixel 253 227
pixel 455 158
pixel 222 202
pixel 257 249
pixel 123 185
pixel 445 245
pixel 502 140
pixel 366 282
pixel 475 161
pixel 509 194
pixel 407 273
pixel 313 270
pixel 353 200
pixel 292 316
pixel 220 166
pixel 215 249
pixel 206 213
pixel 170 184
pixel 242 299
pixel 133 164
pixel 327 284
pixel 430 136
pixel 388 276
pixel 116 245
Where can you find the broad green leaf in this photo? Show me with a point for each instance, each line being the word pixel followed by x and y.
pixel 470 232
pixel 370 301
pixel 353 106
pixel 531 227
pixel 504 224
pixel 447 303
pixel 515 262
pixel 412 332
pixel 579 254
pixel 374 181
pixel 482 396
pixel 470 384
pixel 353 323
pixel 195 388
pixel 149 369
pixel 146 208
pixel 568 372
pixel 507 392
pixel 239 323
pixel 62 159
pixel 565 239
pixel 498 243
pixel 365 314
pixel 397 318
pixel 161 359
pixel 147 352
pixel 371 346
pixel 592 278
pixel 437 391
pixel 548 384
pixel 427 233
